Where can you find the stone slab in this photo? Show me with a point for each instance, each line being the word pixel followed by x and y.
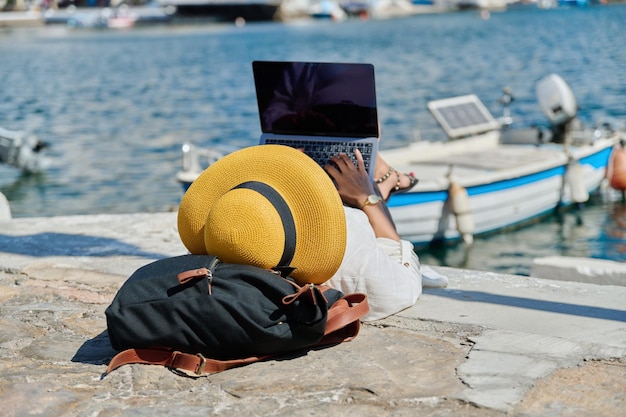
pixel 570 268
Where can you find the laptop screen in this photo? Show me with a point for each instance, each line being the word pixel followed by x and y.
pixel 316 99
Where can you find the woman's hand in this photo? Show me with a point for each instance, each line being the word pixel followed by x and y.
pixel 353 183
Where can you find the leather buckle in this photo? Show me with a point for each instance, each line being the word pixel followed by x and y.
pixel 200 369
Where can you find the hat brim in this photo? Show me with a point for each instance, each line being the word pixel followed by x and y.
pixel 309 192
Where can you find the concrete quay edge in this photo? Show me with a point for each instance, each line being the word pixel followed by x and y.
pixel 487 345
pixel 21 19
pixel 579 269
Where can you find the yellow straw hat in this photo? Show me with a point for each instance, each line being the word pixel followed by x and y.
pixel 269 206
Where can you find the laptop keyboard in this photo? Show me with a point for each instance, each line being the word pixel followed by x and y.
pixel 322 151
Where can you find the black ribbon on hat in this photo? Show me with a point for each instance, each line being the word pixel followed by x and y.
pixel 289 226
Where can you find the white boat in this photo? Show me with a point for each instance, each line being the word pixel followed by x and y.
pixel 118 17
pixel 488 176
pixel 23 151
pixel 480 186
pixel 327 9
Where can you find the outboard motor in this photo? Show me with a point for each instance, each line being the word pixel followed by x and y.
pixel 557 101
pixel 21 151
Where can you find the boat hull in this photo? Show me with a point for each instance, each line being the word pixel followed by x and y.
pixel 498 198
pixel 226 10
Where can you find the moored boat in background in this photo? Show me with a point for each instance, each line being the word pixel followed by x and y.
pixel 226 10
pixel 510 177
pixel 120 17
pixel 22 151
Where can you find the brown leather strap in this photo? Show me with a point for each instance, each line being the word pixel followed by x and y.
pixel 195 364
pixel 187 276
pixel 343 322
pixel 348 309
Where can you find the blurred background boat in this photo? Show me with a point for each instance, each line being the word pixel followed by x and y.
pixel 118 17
pixel 22 151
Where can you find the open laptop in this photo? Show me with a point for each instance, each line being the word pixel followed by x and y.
pixel 324 108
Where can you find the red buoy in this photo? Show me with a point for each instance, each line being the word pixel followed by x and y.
pixel 616 170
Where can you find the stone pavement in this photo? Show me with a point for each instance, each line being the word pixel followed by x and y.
pixel 488 345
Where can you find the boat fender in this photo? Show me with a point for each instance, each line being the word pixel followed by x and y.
pixel 616 170
pixel 575 180
pixel 5 209
pixel 460 206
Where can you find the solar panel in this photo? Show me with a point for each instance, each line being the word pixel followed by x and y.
pixel 462 116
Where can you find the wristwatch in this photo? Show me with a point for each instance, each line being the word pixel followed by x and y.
pixel 371 200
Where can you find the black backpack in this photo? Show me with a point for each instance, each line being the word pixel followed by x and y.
pixel 197 314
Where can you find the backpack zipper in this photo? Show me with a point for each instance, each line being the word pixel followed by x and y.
pixel 209 274
pixel 186 276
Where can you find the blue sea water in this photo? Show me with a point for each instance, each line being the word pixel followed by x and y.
pixel 117 105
